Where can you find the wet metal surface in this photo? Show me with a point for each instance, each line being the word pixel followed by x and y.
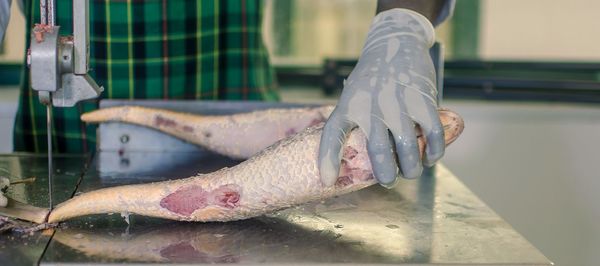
pixel 434 219
pixel 18 249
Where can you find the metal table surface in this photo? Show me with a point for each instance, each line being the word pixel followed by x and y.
pixel 431 220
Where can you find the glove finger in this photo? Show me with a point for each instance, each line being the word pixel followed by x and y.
pixel 381 154
pixel 434 150
pixel 423 110
pixel 407 147
pixel 333 138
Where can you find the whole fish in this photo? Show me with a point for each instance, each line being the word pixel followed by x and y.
pixel 279 176
pixel 224 134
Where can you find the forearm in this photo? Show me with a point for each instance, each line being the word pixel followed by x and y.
pixel 428 8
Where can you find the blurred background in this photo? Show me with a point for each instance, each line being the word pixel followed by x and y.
pixel 525 75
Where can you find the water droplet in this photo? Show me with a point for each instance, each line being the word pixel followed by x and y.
pixel 125 216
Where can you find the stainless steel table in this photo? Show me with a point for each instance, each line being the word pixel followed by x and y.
pixel 18 249
pixel 431 220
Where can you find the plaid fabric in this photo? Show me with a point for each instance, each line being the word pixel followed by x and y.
pixel 154 49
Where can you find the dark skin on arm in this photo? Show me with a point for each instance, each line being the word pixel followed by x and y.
pixel 428 8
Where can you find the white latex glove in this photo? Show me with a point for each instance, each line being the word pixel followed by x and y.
pixel 4 183
pixel 4 17
pixel 391 87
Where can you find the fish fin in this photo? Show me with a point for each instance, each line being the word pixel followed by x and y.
pixel 22 211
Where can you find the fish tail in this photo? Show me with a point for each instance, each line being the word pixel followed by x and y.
pixel 143 199
pixel 182 125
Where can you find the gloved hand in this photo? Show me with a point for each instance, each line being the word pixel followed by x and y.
pixel 391 87
pixel 4 17
pixel 4 183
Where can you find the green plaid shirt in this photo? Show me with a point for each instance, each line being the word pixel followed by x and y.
pixel 154 49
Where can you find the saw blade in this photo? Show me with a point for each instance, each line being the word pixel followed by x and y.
pixel 49 135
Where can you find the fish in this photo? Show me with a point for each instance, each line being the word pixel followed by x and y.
pixel 282 175
pixel 223 134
